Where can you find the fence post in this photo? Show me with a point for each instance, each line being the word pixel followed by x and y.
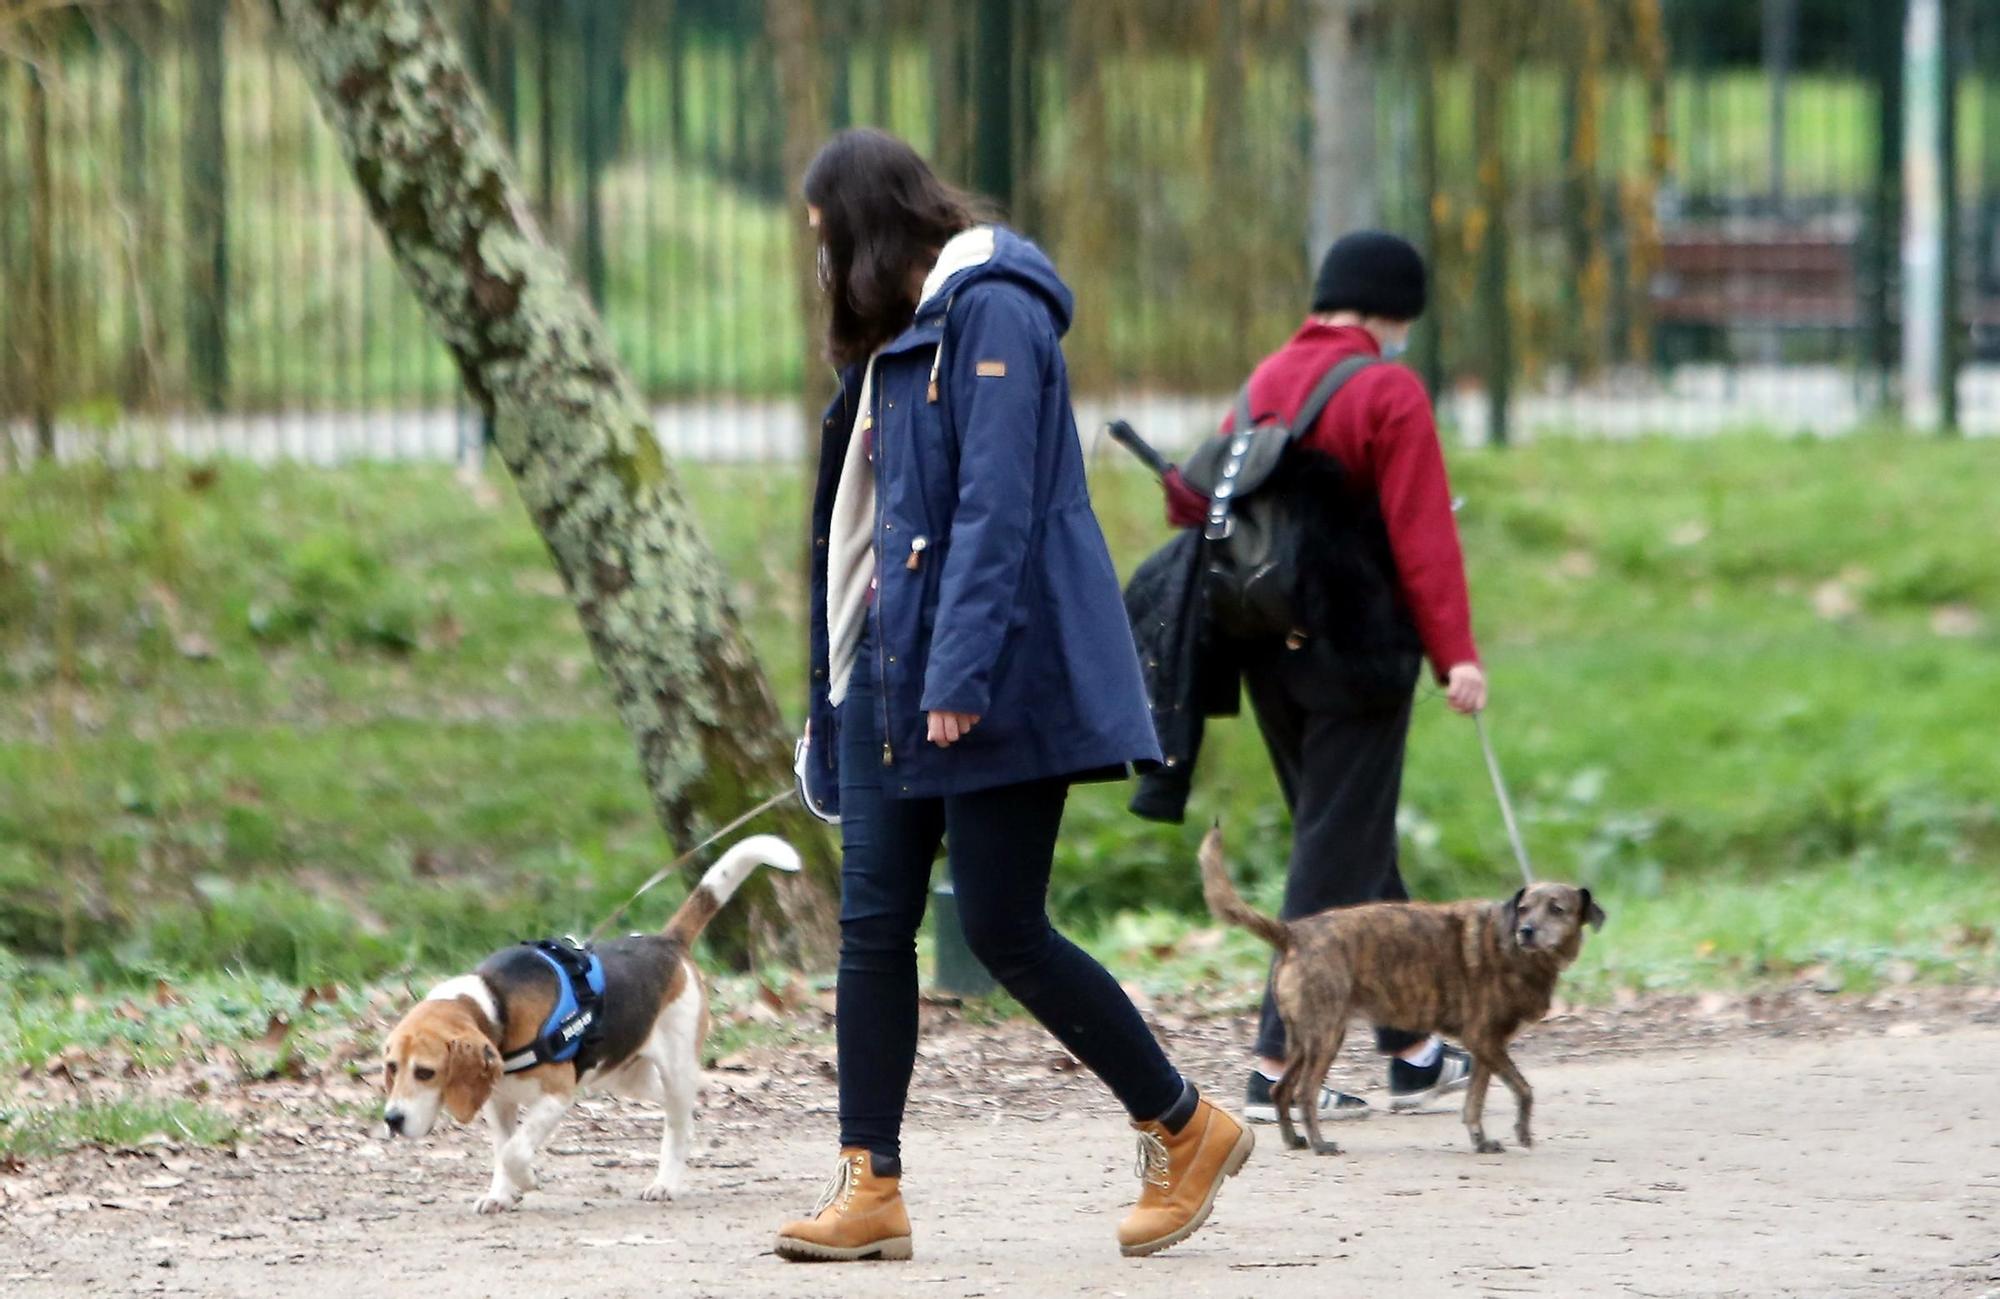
pixel 1781 27
pixel 1958 53
pixel 835 33
pixel 1489 64
pixel 1340 60
pixel 993 102
pixel 205 182
pixel 545 112
pixel 134 192
pixel 1638 210
pixel 11 205
pixel 594 132
pixel 1885 217
pixel 489 49
pixel 1925 263
pixel 41 261
pixel 948 79
pixel 1422 45
pixel 1029 42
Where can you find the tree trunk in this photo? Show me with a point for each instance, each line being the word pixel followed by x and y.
pixel 1346 195
pixel 572 432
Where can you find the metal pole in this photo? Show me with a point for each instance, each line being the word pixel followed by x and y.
pixel 1780 37
pixel 1924 260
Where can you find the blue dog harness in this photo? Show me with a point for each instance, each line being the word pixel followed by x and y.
pixel 579 997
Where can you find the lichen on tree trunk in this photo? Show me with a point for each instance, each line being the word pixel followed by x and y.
pixel 573 433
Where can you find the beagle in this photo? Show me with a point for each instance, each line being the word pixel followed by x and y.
pixel 536 1024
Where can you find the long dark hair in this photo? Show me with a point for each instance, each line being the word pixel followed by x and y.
pixel 883 214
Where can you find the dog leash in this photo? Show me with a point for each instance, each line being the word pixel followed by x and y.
pixel 688 856
pixel 1506 804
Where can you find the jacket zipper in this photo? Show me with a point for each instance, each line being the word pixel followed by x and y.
pixel 881 538
pixel 881 654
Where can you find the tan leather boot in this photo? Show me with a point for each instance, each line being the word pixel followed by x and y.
pixel 858 1216
pixel 1180 1175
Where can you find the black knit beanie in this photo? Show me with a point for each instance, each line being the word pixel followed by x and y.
pixel 1374 273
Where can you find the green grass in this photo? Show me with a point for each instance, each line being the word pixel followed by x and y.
pixel 292 726
pixel 37 1132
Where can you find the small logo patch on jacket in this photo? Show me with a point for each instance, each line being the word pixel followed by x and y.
pixel 991 369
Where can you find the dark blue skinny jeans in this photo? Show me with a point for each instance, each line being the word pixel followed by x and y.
pixel 1001 843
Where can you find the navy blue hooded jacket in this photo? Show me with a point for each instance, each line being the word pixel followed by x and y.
pixel 997 595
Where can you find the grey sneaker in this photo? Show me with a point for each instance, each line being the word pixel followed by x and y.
pixel 1411 1087
pixel 1333 1106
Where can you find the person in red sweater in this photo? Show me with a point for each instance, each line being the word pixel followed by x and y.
pixel 1337 745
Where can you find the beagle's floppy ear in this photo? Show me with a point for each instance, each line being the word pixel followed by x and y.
pixel 1593 914
pixel 1511 912
pixel 470 1070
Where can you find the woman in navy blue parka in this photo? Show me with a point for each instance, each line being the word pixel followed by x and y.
pixel 971 660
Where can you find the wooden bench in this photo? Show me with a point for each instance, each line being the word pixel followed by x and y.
pixel 1768 277
pixel 1780 278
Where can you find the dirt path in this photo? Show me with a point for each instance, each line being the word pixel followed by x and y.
pixel 1838 1163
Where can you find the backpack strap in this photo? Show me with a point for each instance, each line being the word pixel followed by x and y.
pixel 1323 392
pixel 1222 499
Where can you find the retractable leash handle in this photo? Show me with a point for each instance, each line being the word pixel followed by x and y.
pixel 1128 437
pixel 1506 804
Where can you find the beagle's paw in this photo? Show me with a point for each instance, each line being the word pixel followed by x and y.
pixel 494 1202
pixel 662 1188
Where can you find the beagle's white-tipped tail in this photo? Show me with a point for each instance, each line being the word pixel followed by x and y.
pixel 725 877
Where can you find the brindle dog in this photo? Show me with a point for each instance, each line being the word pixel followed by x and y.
pixel 1476 971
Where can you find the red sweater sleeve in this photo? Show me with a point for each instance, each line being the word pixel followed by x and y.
pixel 1408 467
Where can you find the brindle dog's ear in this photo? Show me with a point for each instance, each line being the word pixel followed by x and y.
pixel 1511 912
pixel 1593 914
pixel 470 1070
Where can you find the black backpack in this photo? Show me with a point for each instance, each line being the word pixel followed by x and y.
pixel 1252 570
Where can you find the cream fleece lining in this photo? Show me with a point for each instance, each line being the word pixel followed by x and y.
pixel 850 558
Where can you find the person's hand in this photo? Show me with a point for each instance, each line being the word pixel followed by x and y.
pixel 947 728
pixel 1464 688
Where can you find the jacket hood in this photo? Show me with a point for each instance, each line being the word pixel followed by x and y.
pixel 1013 257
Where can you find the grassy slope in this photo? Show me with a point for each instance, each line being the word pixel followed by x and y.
pixel 396 753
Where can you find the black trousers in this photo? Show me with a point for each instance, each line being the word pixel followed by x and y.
pixel 1341 770
pixel 1001 844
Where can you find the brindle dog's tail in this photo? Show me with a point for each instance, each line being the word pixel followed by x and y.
pixel 1226 904
pixel 724 877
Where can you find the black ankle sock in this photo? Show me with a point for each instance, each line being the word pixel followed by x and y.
pixel 1182 1110
pixel 886 1165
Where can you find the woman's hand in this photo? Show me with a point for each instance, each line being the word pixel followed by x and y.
pixel 946 728
pixel 1465 688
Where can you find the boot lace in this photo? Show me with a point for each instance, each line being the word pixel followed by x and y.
pixel 1152 1163
pixel 840 1187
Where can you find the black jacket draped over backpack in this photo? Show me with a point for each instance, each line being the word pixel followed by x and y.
pixel 1358 646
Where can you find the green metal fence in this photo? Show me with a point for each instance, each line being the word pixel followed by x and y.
pixel 1643 213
